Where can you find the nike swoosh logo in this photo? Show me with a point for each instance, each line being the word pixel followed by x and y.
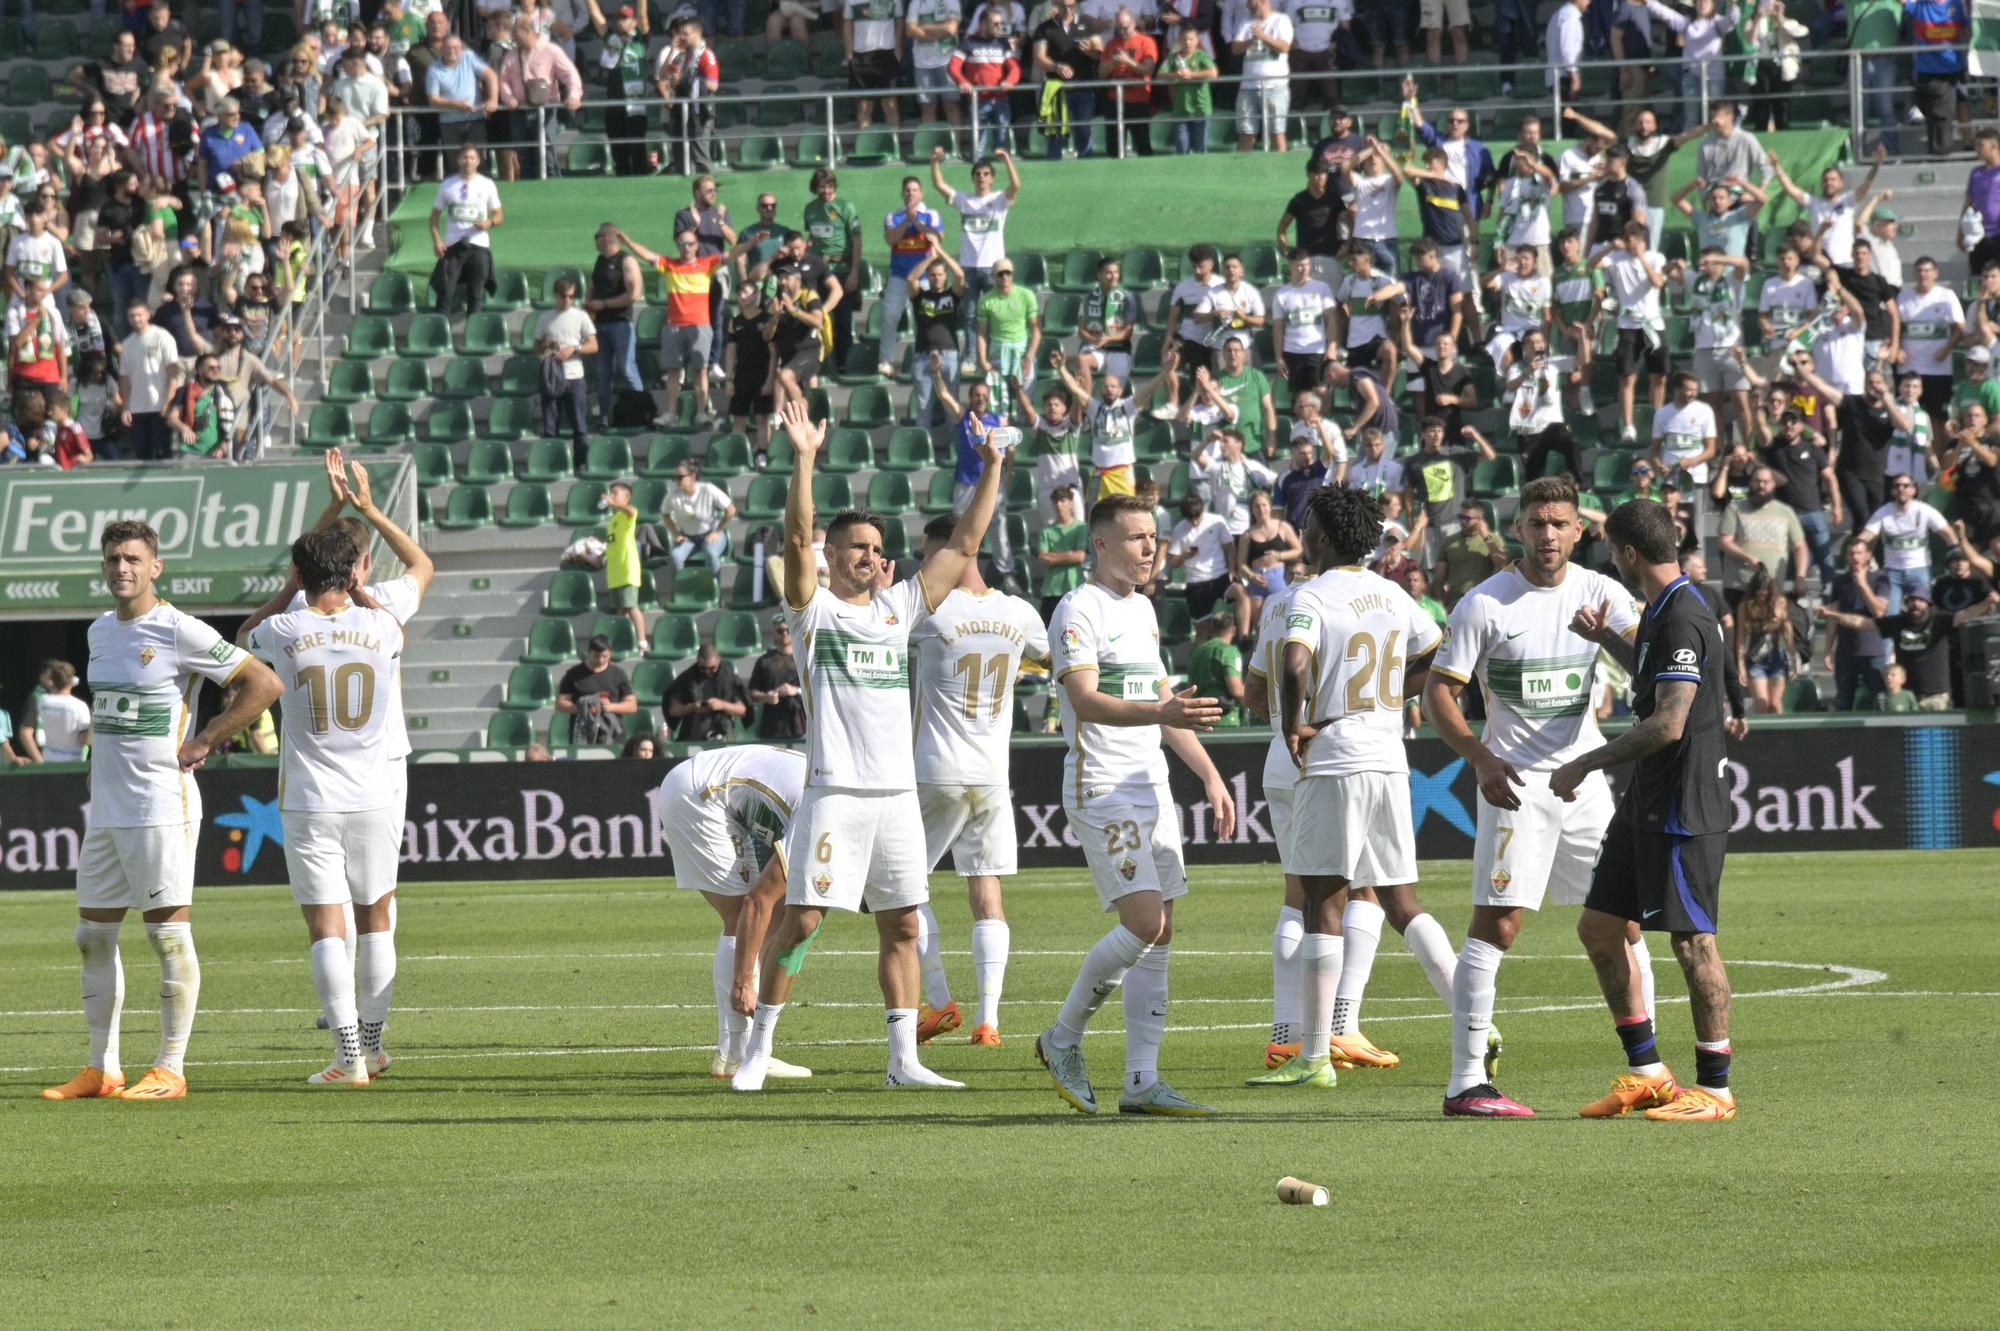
pixel 1515 634
pixel 156 891
pixel 1113 638
pixel 1649 915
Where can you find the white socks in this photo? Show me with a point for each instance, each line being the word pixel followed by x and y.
pixel 180 989
pixel 347 922
pixel 902 1023
pixel 374 985
pixel 762 1024
pixel 1472 1013
pixel 334 979
pixel 1285 975
pixel 930 955
pixel 1145 1017
pixel 1361 927
pixel 1102 972
pixel 1643 960
pixel 990 941
pixel 1320 959
pixel 1430 945
pixel 722 976
pixel 103 990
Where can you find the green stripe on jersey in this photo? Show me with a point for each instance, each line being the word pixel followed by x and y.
pixel 1543 686
pixel 1138 683
pixel 847 661
pixel 116 711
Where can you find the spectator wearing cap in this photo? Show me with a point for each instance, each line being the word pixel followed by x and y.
pixel 1009 329
pixel 774 686
pixel 201 413
pixel 1967 581
pixel 1921 637
pixel 707 700
pixel 1978 384
pixel 464 91
pixel 241 371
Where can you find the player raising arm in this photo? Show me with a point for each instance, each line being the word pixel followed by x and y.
pixel 1118 709
pixel 857 835
pixel 1661 865
pixel 146 660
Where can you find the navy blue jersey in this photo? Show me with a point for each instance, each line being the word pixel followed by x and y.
pixel 1682 789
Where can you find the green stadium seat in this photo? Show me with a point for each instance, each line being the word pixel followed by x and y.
pixel 651 679
pixel 736 634
pixel 28 85
pixel 1260 264
pixel 528 505
pixel 390 293
pixel 467 507
pixel 425 518
pixel 1176 622
pixel 488 462
pixel 787 59
pixel 872 147
pixel 728 455
pixel 1499 476
pixel 485 334
pixel 937 495
pixel 520 376
pixel 928 137
pixel 743 593
pixel 447 423
pixel 529 689
pixel 407 381
pixel 389 425
pixel 580 505
pixel 570 594
pixel 607 460
pixel 464 380
pixel 1611 473
pixel 618 628
pixel 847 451
pixel 1059 313
pixel 551 642
pixel 811 150
pixel 831 494
pixel 776 111
pixel 427 334
pixel 694 590
pixel 759 152
pixel 509 730
pixel 1079 271
pixel 546 460
pixel 587 159
pixel 1142 269
pixel 765 500
pixel 870 407
pixel 510 419
pixel 890 492
pixel 859 367
pixel 1031 270
pixel 331 425
pixel 1802 695
pixel 510 292
pixel 665 453
pixel 433 463
pixel 56 39
pixel 1020 492
pixel 350 381
pixel 649 496
pixel 910 449
pixel 369 337
pixel 675 637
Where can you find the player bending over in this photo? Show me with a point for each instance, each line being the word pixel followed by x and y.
pixel 966 655
pixel 1280 779
pixel 857 835
pixel 1119 709
pixel 1662 861
pixel 1354 642
pixel 725 812
pixel 1513 633
pixel 146 661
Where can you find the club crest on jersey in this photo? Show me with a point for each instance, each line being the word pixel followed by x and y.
pixel 822 882
pixel 1501 880
pixel 1684 656
pixel 1127 869
pixel 146 655
pixel 889 619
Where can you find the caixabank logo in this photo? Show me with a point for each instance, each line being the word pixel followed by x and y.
pixel 252 825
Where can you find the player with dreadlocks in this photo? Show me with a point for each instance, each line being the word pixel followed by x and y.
pixel 1354 645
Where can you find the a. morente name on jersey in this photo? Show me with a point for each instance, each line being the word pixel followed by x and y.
pixel 967 653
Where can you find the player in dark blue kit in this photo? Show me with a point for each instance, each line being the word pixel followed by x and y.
pixel 1662 859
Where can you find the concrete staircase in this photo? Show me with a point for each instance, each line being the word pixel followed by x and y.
pixel 1928 199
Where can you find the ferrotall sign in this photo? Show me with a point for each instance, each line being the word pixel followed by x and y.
pixel 225 532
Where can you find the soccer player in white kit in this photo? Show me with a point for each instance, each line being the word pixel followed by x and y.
pixel 1513 634
pixel 340 662
pixel 1280 780
pixel 857 835
pixel 147 661
pixel 966 655
pixel 1119 709
pixel 1354 643
pixel 725 812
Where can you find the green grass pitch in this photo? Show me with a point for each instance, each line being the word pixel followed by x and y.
pixel 550 1152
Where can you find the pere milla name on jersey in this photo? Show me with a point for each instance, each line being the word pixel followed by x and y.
pixel 362 639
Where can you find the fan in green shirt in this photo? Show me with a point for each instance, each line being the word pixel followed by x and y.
pixel 1215 668
pixel 1181 72
pixel 1060 549
pixel 833 225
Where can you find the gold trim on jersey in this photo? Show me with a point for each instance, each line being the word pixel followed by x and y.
pixel 754 784
pixel 1067 671
pixel 1436 669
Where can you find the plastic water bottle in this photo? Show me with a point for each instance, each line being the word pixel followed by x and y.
pixel 1003 437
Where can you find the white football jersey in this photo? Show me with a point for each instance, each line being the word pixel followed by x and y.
pixel 338 669
pixel 1268 662
pixel 1539 678
pixel 967 653
pixel 143 674
pixel 1361 629
pixel 1119 638
pixel 756 786
pixel 400 597
pixel 854 666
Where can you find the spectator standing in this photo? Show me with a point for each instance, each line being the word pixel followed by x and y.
pixel 1564 41
pixel 1760 532
pixel 985 68
pixel 621 63
pixel 596 694
pixel 689 76
pixel 1200 545
pixel 1941 26
pixel 243 372
pixel 982 216
pixel 706 700
pixel 1855 652
pixel 1324 214
pixel 1061 547
pixel 1131 57
pixel 1293 491
pixel 1982 195
pixel 910 232
pixel 1009 329
pixel 145 360
pixel 534 77
pixel 1188 72
pixel 1302 322
pixel 871 35
pixel 1904 527
pixel 1806 482
pixel 833 232
pixel 1054 437
pixel 1215 667
pixel 616 290
pixel 975 419
pixel 774 687
pixel 1066 52
pixel 1264 99
pixel 38 345
pixel 202 414
pixel 1106 321
pixel 621 557
pixel 1933 324
pixel 463 215
pixel 465 91
pixel 697 515
pixel 933 29
pixel 563 337
pixel 940 292
pixel 185 317
pixel 1468 555
pixel 1226 479
pixel 688 336
pixel 61 716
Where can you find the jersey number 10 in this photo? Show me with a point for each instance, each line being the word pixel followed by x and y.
pixel 345 704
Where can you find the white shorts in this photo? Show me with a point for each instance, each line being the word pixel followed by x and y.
pixel 1108 362
pixel 337 857
pixel 1278 803
pixel 1132 843
pixel 137 868
pixel 1355 827
pixel 1718 372
pixel 847 847
pixel 975 823
pixel 710 853
pixel 1547 845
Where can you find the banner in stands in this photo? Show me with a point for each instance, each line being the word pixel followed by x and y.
pixel 1824 788
pixel 225 532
